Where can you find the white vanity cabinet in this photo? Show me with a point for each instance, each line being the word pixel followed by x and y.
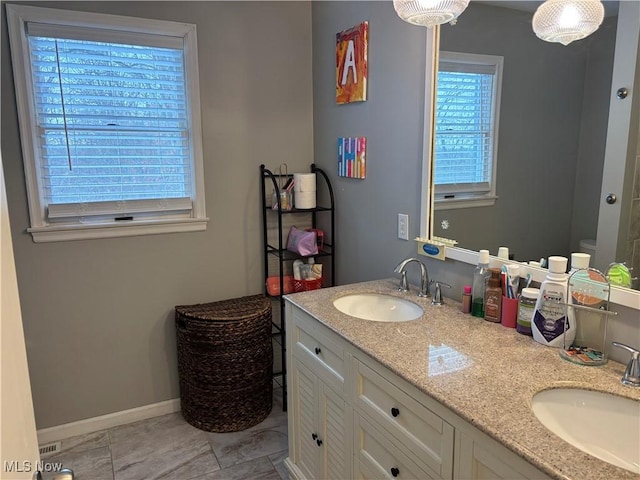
pixel 319 420
pixel 425 437
pixel 351 417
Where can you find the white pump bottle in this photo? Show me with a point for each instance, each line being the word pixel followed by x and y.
pixel 548 323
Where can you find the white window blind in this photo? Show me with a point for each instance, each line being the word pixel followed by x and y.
pixel 109 111
pixel 112 121
pixel 466 125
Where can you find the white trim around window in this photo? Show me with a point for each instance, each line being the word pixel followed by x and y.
pixel 103 219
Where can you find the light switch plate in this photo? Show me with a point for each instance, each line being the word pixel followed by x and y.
pixel 403 226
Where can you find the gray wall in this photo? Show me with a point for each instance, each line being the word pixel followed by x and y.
pixel 98 314
pixel 539 135
pixel 391 119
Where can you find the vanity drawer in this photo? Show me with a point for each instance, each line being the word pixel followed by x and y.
pixel 320 349
pixel 424 434
pixel 377 457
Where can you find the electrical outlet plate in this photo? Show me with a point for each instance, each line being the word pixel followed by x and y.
pixel 403 226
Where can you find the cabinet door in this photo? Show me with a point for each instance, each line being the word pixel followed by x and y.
pixel 303 431
pixel 320 429
pixel 335 435
pixel 481 458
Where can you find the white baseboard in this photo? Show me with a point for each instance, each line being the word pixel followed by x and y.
pixel 292 468
pixel 110 420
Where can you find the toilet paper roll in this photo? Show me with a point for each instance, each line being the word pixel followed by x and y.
pixel 304 182
pixel 304 200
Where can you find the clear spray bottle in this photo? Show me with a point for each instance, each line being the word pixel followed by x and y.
pixel 480 276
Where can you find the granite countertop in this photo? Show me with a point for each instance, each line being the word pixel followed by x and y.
pixel 487 375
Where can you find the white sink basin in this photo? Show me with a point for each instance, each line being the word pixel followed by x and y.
pixel 603 425
pixel 378 307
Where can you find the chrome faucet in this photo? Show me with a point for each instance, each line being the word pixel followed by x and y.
pixel 424 277
pixel 631 375
pixel 437 296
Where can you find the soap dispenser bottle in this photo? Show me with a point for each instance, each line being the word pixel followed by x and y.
pixel 548 323
pixel 480 276
pixel 493 297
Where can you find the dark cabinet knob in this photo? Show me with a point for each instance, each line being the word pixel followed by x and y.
pixel 318 350
pixel 314 436
pixel 395 472
pixel 395 412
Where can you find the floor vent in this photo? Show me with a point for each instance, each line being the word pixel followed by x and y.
pixel 50 448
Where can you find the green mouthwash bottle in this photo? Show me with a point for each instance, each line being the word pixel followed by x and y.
pixel 480 276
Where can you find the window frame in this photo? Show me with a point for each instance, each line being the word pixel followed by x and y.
pixel 155 220
pixel 449 196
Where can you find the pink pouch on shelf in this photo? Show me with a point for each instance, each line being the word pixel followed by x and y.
pixel 302 242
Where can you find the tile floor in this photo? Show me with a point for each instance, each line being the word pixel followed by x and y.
pixel 168 448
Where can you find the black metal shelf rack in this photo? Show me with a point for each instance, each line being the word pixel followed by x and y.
pixel 279 251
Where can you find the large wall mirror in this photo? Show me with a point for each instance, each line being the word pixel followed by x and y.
pixel 551 139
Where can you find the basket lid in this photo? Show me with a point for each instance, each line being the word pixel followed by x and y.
pixel 241 308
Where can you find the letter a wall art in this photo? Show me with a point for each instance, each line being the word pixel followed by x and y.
pixel 351 64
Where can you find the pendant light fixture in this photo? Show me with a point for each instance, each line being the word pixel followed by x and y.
pixel 564 21
pixel 428 13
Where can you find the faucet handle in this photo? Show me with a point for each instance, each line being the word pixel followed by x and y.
pixel 404 284
pixel 437 295
pixel 631 375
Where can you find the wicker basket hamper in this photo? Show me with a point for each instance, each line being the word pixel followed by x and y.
pixel 225 363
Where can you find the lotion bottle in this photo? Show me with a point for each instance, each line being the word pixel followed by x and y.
pixel 548 322
pixel 466 299
pixel 297 273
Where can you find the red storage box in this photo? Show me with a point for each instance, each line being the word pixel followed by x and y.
pixel 306 285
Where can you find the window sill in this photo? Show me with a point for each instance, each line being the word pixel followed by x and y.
pixel 61 233
pixel 465 202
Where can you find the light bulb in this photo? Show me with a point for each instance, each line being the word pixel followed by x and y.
pixel 564 21
pixel 570 17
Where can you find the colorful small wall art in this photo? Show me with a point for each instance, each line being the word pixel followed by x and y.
pixel 351 157
pixel 351 64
